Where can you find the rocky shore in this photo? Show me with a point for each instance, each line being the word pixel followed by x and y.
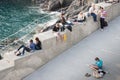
pixel 70 7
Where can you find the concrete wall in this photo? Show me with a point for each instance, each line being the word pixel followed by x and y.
pixel 16 68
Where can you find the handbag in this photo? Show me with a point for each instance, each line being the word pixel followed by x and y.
pixel 105 23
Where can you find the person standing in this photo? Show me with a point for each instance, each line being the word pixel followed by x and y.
pixel 103 15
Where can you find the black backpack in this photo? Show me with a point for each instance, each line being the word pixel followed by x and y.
pixel 105 23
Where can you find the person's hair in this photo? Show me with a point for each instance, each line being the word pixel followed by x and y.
pixel 57 25
pixel 37 39
pixel 101 7
pixel 97 59
pixel 81 12
pixel 31 40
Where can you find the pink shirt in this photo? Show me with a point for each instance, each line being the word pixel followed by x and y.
pixel 103 14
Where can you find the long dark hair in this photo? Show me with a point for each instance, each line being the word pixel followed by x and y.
pixel 38 43
pixel 37 39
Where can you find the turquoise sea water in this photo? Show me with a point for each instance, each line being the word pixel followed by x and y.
pixel 14 17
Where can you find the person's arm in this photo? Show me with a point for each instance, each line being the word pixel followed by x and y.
pixel 99 12
pixel 83 16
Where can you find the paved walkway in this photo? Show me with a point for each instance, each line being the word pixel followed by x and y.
pixel 72 64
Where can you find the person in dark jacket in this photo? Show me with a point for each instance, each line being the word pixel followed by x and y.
pixel 57 32
pixel 38 44
pixel 65 23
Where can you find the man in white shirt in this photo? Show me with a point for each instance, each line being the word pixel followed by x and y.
pixel 92 12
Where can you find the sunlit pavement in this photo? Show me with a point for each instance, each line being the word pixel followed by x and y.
pixel 73 63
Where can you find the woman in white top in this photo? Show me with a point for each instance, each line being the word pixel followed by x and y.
pixel 81 17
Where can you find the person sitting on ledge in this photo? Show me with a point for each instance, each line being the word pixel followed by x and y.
pixel 92 12
pixel 80 18
pixel 38 44
pixel 29 48
pixel 56 31
pixel 65 23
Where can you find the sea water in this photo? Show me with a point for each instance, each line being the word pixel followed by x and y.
pixel 15 17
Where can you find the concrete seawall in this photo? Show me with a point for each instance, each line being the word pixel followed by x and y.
pixel 16 68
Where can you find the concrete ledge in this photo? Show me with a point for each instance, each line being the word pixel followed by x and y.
pixel 16 68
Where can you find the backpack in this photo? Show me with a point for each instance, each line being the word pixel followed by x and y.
pixel 105 23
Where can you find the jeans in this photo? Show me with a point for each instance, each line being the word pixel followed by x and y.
pixel 24 49
pixel 94 16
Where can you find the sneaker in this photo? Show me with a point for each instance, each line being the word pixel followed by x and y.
pixel 88 65
pixel 87 75
pixel 18 54
pixel 21 54
pixel 102 30
pixel 107 72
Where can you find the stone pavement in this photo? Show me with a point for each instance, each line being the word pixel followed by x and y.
pixel 72 64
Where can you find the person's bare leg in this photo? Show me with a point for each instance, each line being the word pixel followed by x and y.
pixel 61 37
pixel 94 67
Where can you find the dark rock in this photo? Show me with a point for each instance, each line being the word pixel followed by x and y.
pixel 70 7
pixel 76 6
pixel 65 3
pixel 54 5
pixel 57 4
